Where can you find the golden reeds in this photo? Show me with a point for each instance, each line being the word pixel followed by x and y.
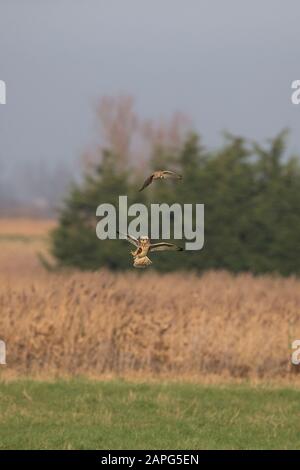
pixel 143 322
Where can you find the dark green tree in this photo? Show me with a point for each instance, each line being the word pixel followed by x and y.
pixel 74 241
pixel 251 196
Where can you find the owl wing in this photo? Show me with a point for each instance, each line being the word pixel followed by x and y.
pixel 129 238
pixel 147 182
pixel 164 247
pixel 171 175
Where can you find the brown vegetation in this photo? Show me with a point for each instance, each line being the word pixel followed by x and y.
pixel 181 325
pixel 25 227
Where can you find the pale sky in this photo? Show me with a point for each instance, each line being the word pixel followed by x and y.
pixel 228 65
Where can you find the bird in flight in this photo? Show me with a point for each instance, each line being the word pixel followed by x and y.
pixel 144 247
pixel 160 175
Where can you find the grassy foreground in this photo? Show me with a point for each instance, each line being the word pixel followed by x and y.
pixel 82 414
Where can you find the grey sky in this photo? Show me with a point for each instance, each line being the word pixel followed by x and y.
pixel 227 64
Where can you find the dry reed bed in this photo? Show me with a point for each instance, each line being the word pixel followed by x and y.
pixel 175 324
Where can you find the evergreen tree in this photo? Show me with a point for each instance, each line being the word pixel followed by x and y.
pixel 251 196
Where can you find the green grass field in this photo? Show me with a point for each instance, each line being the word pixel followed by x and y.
pixel 83 414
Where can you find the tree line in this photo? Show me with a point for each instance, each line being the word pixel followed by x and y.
pixel 251 194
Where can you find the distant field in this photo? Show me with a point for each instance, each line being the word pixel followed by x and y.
pixel 119 415
pixel 21 240
pixel 25 227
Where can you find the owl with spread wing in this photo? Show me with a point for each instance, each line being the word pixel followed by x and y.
pixel 144 247
pixel 160 175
